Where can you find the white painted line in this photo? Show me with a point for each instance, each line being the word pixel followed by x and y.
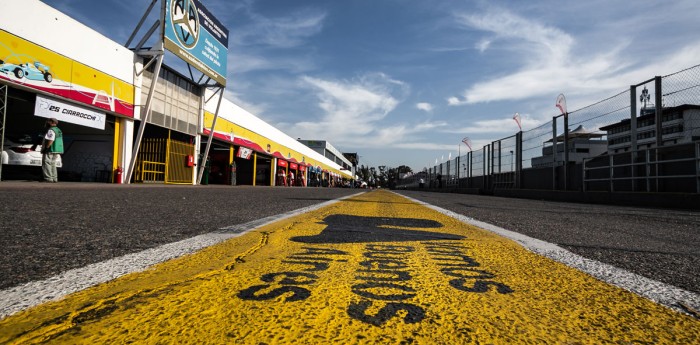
pixel 21 297
pixel 661 293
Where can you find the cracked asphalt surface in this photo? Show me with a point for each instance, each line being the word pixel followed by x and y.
pixel 48 229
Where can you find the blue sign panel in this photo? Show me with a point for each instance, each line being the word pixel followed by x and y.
pixel 196 36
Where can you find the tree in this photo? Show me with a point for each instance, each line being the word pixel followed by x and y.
pixel 403 169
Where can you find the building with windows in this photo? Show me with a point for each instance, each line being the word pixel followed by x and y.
pixel 327 150
pixel 582 144
pixel 679 125
pixel 99 91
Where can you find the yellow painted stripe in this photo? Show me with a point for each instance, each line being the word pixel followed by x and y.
pixel 376 268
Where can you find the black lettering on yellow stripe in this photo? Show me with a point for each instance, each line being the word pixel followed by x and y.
pixel 461 260
pixel 383 264
pixel 363 290
pixel 466 272
pixel 387 248
pixel 358 311
pixel 311 259
pixel 480 286
pixel 322 251
pixel 297 293
pixel 384 255
pixel 290 278
pixel 314 266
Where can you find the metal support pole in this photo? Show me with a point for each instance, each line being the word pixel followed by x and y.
pixel 633 134
pixel 144 118
pixel 659 125
pixel 566 150
pixel 554 153
pixel 138 26
pixel 500 156
pixel 484 166
pixel 611 172
pixel 518 159
pixel 659 112
pixel 3 111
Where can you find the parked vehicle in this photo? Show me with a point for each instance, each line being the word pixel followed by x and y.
pixel 22 150
pixel 36 71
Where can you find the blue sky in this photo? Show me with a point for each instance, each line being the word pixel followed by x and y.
pixel 402 82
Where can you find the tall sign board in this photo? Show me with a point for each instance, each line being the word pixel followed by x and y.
pixel 196 36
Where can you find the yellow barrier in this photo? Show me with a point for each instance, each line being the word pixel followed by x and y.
pixel 163 160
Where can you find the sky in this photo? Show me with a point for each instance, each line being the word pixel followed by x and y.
pixel 402 82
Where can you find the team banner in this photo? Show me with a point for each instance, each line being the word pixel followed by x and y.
pixel 196 36
pixel 66 112
pixel 244 152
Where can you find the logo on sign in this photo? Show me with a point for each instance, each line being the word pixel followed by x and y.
pixel 183 15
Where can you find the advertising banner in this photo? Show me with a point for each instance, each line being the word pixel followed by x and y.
pixel 196 36
pixel 293 166
pixel 27 64
pixel 244 152
pixel 66 112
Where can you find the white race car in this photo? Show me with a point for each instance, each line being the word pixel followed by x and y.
pixel 22 151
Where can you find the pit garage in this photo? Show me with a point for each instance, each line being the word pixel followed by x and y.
pixel 88 151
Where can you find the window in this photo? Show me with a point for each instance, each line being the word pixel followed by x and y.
pixel 646 135
pixel 620 140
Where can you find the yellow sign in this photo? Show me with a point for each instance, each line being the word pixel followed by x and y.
pixel 30 65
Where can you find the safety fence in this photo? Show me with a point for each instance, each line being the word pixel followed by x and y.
pixel 162 160
pixel 645 138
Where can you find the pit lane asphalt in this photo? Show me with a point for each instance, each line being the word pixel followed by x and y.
pixel 47 229
pixel 660 244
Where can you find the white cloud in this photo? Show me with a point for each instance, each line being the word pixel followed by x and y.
pixel 547 62
pixel 426 146
pixel 424 106
pixel 498 126
pixel 454 101
pixel 285 32
pixel 354 113
pixel 252 108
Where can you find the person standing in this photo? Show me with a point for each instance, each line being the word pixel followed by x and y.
pixel 51 149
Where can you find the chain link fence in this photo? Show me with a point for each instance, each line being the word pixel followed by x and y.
pixel 683 88
pixel 609 145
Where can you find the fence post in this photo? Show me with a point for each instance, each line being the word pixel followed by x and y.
pixel 500 155
pixel 633 134
pixel 659 125
pixel 470 158
pixel 483 179
pixel 554 153
pixel 518 158
pixel 659 111
pixel 566 151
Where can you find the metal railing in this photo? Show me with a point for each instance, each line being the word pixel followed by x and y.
pixel 162 160
pixel 651 119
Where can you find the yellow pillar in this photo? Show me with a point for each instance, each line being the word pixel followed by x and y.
pixel 117 147
pixel 255 166
pixel 272 172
